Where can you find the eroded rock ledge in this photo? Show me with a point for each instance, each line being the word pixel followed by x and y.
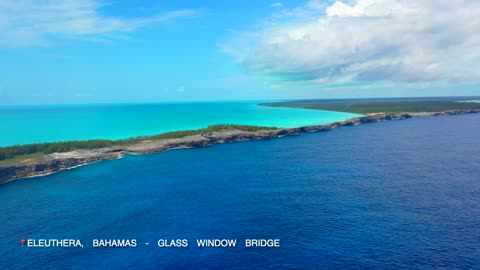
pixel 55 162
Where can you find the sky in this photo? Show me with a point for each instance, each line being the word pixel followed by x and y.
pixel 99 51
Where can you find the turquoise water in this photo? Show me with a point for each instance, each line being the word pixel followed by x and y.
pixel 34 124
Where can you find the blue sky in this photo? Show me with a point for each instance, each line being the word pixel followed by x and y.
pixel 92 51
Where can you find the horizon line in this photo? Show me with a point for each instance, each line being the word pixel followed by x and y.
pixel 226 100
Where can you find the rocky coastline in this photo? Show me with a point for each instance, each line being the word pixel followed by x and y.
pixel 51 163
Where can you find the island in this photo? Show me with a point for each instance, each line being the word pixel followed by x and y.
pixel 45 158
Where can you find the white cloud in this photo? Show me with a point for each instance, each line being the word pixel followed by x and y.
pixel 370 40
pixel 33 22
pixel 277 4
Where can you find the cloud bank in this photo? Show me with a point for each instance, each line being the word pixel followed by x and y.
pixel 369 41
pixel 33 22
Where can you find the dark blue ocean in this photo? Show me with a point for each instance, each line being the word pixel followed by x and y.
pixel 391 195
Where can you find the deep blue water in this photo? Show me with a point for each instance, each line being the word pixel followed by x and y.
pixel 391 195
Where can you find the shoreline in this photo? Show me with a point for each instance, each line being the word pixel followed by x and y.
pixel 55 162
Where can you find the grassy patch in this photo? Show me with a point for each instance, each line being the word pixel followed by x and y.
pixel 22 159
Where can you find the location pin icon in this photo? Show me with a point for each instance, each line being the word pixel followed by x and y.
pixel 22 241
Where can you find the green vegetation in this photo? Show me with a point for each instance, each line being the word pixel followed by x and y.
pixel 365 106
pixel 46 148
pixel 13 152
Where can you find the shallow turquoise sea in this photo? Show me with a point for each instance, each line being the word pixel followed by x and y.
pixel 34 124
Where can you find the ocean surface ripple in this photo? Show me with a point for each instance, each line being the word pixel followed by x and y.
pixel 391 195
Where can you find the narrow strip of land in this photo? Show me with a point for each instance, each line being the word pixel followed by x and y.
pixel 384 105
pixel 41 159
